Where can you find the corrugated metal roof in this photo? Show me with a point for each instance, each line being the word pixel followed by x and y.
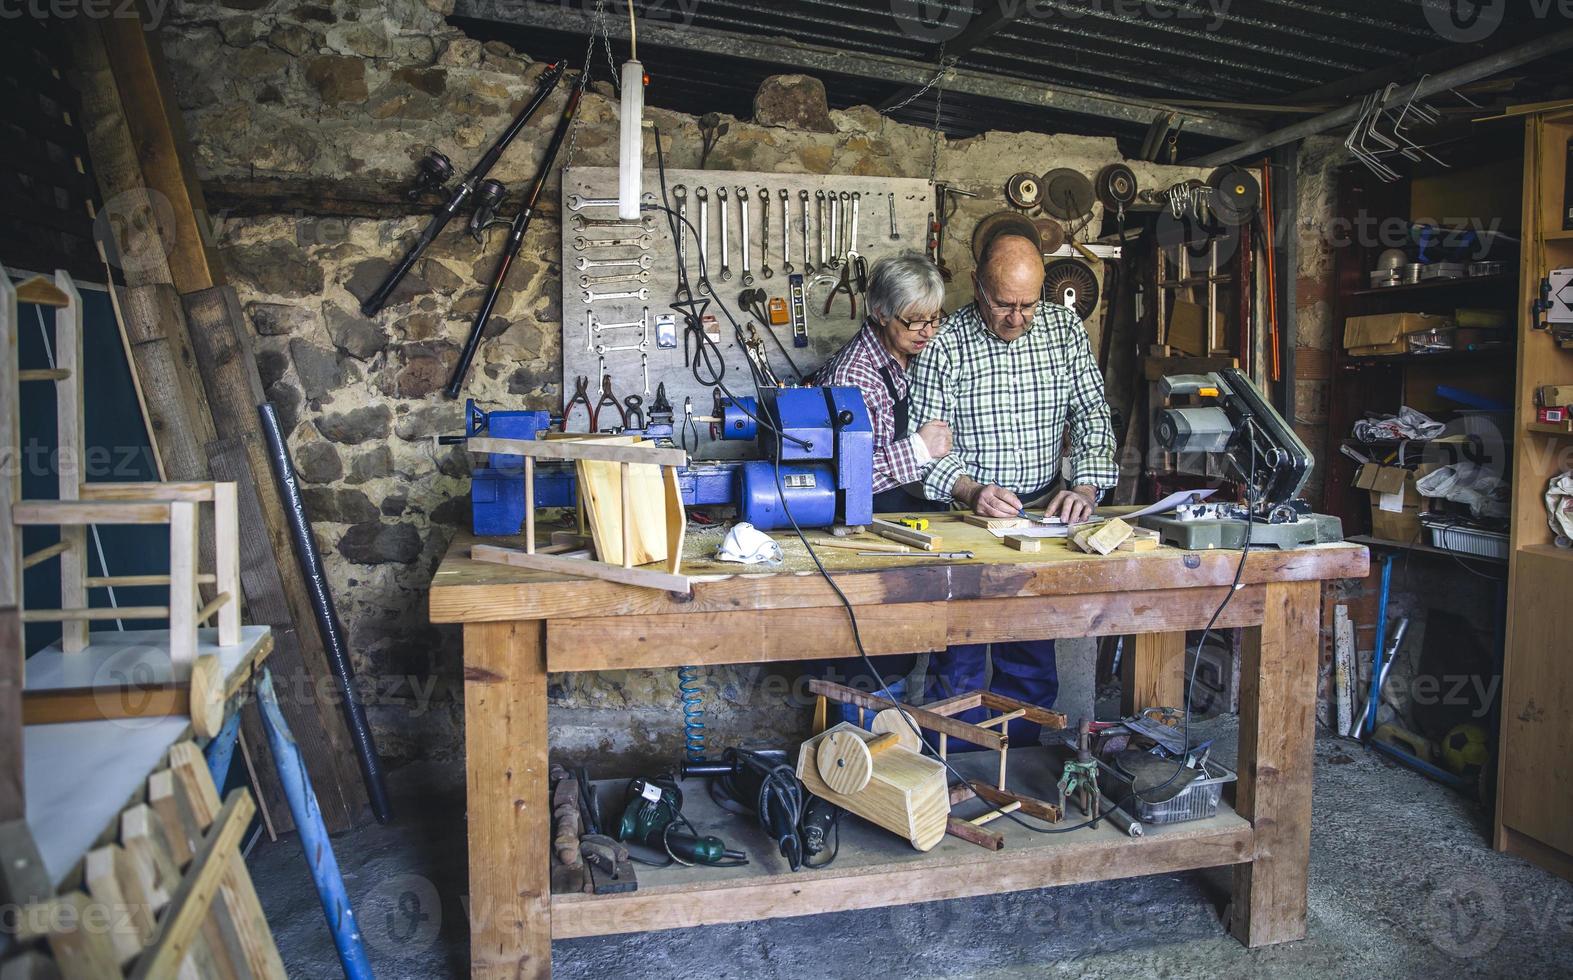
pixel 1234 51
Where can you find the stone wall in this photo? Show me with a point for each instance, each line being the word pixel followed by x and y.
pixel 355 91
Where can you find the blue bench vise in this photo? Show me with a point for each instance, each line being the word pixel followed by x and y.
pixel 825 454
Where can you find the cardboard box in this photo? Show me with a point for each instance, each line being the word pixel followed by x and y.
pixel 1395 504
pixel 1384 333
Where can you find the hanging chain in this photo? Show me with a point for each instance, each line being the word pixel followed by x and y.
pixel 947 67
pixel 589 53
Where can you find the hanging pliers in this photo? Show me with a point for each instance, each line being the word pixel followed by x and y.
pixel 607 398
pixel 581 396
pixel 688 427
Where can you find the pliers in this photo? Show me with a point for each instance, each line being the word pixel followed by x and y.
pixel 633 407
pixel 854 266
pixel 607 398
pixel 688 427
pixel 581 396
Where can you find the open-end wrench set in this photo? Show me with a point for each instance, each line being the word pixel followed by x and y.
pixel 804 240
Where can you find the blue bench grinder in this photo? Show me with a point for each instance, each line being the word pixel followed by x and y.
pixel 826 451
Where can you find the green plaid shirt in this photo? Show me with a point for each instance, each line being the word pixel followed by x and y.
pixel 1008 404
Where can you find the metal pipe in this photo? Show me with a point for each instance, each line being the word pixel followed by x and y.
pixel 314 841
pixel 1431 85
pixel 327 616
pixel 1122 820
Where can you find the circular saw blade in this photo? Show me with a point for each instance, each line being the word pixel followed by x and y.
pixel 1067 278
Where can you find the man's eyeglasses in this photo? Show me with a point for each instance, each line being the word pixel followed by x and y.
pixel 917 326
pixel 1025 311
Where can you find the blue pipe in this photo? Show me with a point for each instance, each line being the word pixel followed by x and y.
pixel 1374 696
pixel 221 751
pixel 1420 765
pixel 313 835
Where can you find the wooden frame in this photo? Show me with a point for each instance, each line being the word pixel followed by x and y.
pixel 517 626
pixel 583 451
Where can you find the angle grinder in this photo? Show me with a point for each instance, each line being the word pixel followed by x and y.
pixel 652 816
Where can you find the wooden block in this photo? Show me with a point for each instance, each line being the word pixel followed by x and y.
pixel 1021 542
pixel 1138 544
pixel 1106 538
pixel 108 875
pixel 207 695
pixel 918 539
pixel 905 793
pixel 989 840
pixel 996 523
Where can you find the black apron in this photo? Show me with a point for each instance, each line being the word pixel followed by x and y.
pixel 899 498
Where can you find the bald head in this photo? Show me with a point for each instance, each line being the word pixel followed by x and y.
pixel 1012 264
pixel 1010 278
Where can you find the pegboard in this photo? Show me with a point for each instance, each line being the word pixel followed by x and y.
pixel 826 334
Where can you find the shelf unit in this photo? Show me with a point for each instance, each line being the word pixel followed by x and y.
pixel 1534 817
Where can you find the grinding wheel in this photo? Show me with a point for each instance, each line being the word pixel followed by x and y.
pixel 1236 194
pixel 1052 234
pixel 1062 276
pixel 1116 186
pixel 844 762
pixel 900 724
pixel 1003 223
pixel 1067 194
pixel 1024 190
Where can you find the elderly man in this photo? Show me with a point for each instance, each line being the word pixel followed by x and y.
pixel 1010 373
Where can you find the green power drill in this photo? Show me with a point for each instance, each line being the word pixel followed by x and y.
pixel 651 817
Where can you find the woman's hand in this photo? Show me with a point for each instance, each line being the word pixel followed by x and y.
pixel 936 438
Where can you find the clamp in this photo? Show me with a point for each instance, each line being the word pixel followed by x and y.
pixel 607 398
pixel 581 396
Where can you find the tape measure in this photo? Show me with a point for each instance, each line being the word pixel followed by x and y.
pixel 916 523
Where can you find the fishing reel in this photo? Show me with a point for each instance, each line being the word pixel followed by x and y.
pixel 488 194
pixel 432 174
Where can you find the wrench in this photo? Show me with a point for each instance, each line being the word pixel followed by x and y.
pixel 726 248
pixel 591 296
pixel 852 238
pixel 764 234
pixel 786 233
pixel 808 263
pixel 846 233
pixel 643 323
pixel 576 203
pixel 704 239
pixel 819 206
pixel 894 234
pixel 742 204
pixel 680 195
pixel 581 243
pixel 584 263
pixel 588 281
pixel 836 230
pixel 646 223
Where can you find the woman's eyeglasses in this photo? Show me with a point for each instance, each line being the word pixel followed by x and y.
pixel 917 326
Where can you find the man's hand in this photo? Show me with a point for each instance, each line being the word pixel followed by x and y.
pixel 987 501
pixel 936 438
pixel 1073 505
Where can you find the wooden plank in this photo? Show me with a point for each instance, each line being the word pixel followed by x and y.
pixel 1059 617
pixel 600 450
pixel 1277 722
pixel 198 491
pixel 464 590
pixel 129 926
pixel 71 456
pixel 41 292
pixel 926 540
pixel 1152 675
pixel 34 558
pixel 624 504
pixel 93 615
pixel 80 513
pixel 943 875
pixel 623 642
pixel 192 901
pixel 72 704
pixel 646 578
pixel 676 520
pixel 80 951
pixel 925 719
pixel 183 596
pixel 505 745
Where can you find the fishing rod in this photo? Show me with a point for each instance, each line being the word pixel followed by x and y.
pixel 521 223
pixel 434 172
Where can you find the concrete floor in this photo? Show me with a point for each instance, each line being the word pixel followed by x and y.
pixel 1402 884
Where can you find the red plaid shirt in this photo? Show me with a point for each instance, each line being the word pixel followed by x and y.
pixel 857 366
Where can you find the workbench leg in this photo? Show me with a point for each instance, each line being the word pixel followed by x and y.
pixel 1152 673
pixel 505 752
pixel 1277 734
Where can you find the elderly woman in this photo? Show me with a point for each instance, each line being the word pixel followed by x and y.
pixel 903 300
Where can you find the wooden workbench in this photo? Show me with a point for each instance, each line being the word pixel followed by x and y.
pixel 518 625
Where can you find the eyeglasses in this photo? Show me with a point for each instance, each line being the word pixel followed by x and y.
pixel 918 326
pixel 1025 311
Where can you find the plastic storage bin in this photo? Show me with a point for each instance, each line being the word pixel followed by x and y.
pixel 1197 801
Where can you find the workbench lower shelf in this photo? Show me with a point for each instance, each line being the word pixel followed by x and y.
pixel 875 868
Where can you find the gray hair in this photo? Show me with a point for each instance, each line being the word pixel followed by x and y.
pixel 899 282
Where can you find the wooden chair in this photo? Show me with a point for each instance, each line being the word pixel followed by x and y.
pixel 81 505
